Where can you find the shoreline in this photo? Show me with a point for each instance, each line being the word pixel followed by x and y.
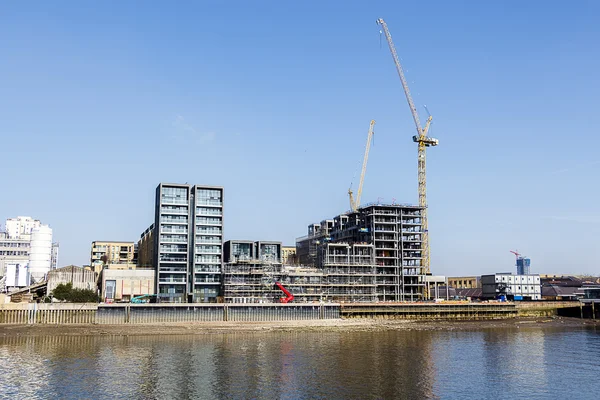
pixel 343 325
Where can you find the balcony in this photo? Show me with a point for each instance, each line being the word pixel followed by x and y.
pixel 210 203
pixel 204 222
pixel 173 259
pixel 211 212
pixel 174 200
pixel 208 241
pixel 207 252
pixel 208 281
pixel 173 250
pixel 176 239
pixel 167 220
pixel 163 280
pixel 205 232
pixel 207 270
pixel 172 270
pixel 177 211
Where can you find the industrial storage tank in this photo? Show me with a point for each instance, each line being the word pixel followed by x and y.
pixel 40 254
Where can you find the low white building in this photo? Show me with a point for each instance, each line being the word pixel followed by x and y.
pixel 124 284
pixel 17 275
pixel 28 243
pixel 13 251
pixel 21 226
pixel 514 287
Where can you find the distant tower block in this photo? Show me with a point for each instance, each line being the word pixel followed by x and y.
pixel 523 266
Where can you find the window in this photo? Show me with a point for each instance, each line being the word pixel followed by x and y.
pixel 111 287
pixel 174 195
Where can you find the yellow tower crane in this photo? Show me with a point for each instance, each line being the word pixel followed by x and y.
pixel 355 204
pixel 422 140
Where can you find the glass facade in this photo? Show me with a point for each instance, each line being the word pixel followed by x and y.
pixel 242 251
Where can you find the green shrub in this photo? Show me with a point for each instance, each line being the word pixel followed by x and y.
pixel 65 292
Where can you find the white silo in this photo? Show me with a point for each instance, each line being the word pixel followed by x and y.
pixel 40 254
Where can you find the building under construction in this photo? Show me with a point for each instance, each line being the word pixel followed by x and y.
pixel 346 272
pixel 394 235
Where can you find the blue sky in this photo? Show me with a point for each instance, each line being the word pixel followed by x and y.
pixel 101 101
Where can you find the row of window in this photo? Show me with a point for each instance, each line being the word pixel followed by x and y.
pixel 208 239
pixel 208 194
pixel 208 211
pixel 173 238
pixel 208 259
pixel 176 248
pixel 14 244
pixel 208 249
pixel 13 253
pixel 208 220
pixel 173 229
pixel 209 230
pixel 170 218
pixel 174 209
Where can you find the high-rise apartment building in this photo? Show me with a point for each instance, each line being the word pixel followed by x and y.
pixel 523 266
pixel 188 242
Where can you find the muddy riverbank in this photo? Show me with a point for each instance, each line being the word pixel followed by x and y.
pixel 205 328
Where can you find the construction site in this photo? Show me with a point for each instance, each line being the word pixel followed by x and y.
pixel 371 253
pixel 346 273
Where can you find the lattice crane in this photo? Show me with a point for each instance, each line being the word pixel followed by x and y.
pixel 354 204
pixel 423 142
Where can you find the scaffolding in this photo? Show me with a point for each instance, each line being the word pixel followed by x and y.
pixel 395 232
pixel 346 274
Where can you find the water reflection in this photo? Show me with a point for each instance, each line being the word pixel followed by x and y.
pixel 333 365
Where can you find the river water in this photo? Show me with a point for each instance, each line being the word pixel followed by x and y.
pixel 502 363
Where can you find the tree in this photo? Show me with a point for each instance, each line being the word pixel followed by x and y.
pixel 62 291
pixel 67 293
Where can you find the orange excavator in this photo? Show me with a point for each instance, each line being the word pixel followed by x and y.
pixel 289 296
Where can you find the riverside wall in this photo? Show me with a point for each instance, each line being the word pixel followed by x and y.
pixel 545 308
pixel 117 314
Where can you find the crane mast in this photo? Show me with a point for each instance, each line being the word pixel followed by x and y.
pixel 354 204
pixel 423 142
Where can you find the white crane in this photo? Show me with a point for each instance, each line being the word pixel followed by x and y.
pixel 355 204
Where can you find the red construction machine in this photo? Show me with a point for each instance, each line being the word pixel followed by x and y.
pixel 289 296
